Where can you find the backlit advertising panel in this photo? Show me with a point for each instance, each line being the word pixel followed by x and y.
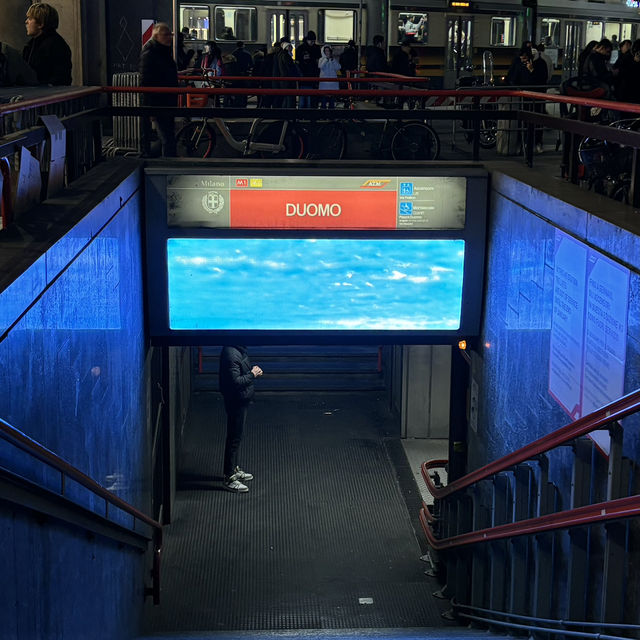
pixel 371 284
pixel 283 255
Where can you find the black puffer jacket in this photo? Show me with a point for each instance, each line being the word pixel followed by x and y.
pixel 236 379
pixel 50 57
pixel 158 69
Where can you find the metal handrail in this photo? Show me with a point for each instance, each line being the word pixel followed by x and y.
pixel 598 419
pixel 619 509
pixel 525 627
pixel 72 94
pixel 35 449
pixel 563 623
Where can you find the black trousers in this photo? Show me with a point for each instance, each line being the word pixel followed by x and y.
pixel 236 417
pixel 165 126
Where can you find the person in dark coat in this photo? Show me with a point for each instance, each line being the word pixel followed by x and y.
pixel 596 67
pixel 269 69
pixel 236 376
pixel 376 57
pixel 284 66
pixel 47 53
pixel 628 80
pixel 528 70
pixel 244 63
pixel 404 60
pixel 349 58
pixel 307 56
pixel 584 54
pixel 159 69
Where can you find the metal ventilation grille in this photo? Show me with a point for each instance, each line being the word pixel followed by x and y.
pixel 323 539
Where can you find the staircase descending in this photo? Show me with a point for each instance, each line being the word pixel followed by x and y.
pixel 421 633
pixel 315 368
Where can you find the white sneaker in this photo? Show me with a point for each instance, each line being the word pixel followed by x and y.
pixel 239 474
pixel 235 485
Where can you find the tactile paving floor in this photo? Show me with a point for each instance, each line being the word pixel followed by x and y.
pixel 323 539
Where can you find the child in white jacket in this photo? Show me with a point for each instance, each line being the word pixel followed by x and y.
pixel 329 68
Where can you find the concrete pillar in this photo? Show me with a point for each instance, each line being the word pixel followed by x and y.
pixel 426 389
pixel 12 29
pixel 376 18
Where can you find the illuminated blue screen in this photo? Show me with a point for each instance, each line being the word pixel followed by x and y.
pixel 315 284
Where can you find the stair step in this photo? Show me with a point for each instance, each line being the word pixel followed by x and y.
pixel 287 366
pixel 449 633
pixel 300 351
pixel 300 368
pixel 302 382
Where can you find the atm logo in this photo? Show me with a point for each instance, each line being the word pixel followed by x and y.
pixel 375 184
pixel 242 182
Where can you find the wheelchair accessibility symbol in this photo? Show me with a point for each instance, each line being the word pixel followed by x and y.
pixel 406 188
pixel 406 208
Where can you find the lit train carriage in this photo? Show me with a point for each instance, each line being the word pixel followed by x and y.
pixel 259 25
pixel 451 37
pixel 566 27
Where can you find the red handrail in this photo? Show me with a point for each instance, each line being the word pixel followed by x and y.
pixel 590 514
pixel 24 442
pixel 72 94
pixel 616 410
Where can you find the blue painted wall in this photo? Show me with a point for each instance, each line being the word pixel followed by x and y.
pixel 511 366
pixel 72 378
pixel 513 359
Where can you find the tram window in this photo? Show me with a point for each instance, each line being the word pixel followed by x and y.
pixel 196 20
pixel 236 23
pixel 594 31
pixel 503 32
pixel 415 25
pixel 550 32
pixel 625 31
pixel 612 31
pixel 338 26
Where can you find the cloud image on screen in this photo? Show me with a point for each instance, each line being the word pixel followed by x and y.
pixel 315 284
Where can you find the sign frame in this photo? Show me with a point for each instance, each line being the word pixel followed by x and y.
pixel 158 232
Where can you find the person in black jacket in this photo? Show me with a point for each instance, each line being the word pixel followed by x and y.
pixel 307 56
pixel 596 67
pixel 158 69
pixel 47 53
pixel 236 377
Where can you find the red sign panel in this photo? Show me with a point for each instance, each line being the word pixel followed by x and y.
pixel 313 209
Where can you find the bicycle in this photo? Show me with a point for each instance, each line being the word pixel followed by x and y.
pixel 271 139
pixel 414 140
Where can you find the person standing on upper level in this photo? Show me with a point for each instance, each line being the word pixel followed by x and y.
pixel 47 53
pixel 159 69
pixel 308 55
pixel 329 68
pixel 376 57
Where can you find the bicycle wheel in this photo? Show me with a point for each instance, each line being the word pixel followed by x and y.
pixel 328 142
pixel 293 142
pixel 488 134
pixel 195 140
pixel 415 141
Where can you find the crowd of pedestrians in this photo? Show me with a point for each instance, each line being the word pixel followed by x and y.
pixel 619 80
